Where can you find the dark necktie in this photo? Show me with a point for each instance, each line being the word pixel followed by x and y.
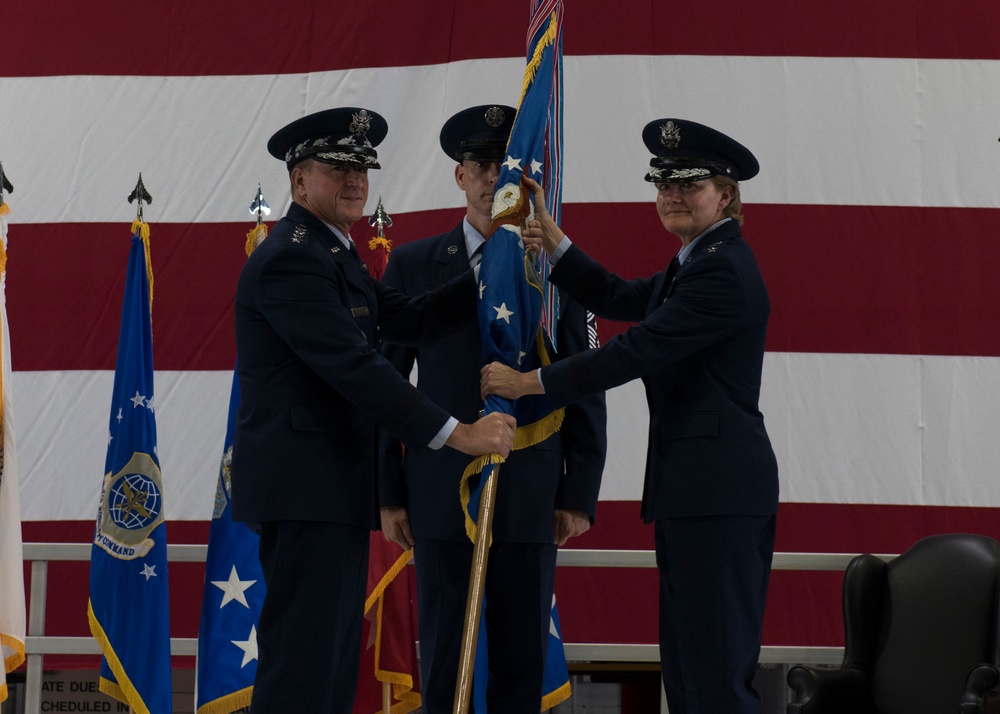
pixel 354 251
pixel 477 255
pixel 668 280
pixel 672 270
pixel 353 248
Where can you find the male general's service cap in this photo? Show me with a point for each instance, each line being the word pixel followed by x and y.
pixel 478 133
pixel 687 151
pixel 346 136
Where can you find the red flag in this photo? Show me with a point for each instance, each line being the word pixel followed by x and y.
pixel 379 244
pixel 390 651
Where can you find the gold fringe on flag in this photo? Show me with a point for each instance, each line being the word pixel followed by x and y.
pixel 380 242
pixel 536 58
pixel 402 683
pixel 234 701
pixel 465 493
pixel 556 696
pixel 389 576
pixel 255 236
pixel 143 230
pixel 537 432
pixel 16 659
pixel 124 691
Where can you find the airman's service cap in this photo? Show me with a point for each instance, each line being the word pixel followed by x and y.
pixel 345 136
pixel 478 133
pixel 686 151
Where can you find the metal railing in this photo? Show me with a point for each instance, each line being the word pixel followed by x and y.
pixel 38 644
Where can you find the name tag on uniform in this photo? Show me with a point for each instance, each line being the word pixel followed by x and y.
pixel 359 311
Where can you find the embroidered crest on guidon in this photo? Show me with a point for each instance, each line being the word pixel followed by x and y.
pixel 670 135
pixel 131 507
pixel 494 117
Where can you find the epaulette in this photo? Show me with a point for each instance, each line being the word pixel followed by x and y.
pixel 714 247
pixel 299 233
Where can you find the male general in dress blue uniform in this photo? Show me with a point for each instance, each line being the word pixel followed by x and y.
pixel 309 321
pixel 545 494
pixel 711 485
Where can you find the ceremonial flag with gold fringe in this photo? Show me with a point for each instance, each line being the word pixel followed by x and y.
pixel 12 609
pixel 512 287
pixel 390 650
pixel 234 582
pixel 380 246
pixel 128 607
pixel 232 599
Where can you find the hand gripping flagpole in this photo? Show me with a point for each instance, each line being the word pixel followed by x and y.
pixel 511 287
pixel 517 215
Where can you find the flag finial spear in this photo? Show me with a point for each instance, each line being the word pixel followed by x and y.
pixel 380 219
pixel 259 206
pixel 139 194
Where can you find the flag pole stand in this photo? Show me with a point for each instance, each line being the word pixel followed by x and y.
pixel 474 604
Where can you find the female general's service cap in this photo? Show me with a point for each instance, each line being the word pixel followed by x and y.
pixel 346 136
pixel 687 151
pixel 478 133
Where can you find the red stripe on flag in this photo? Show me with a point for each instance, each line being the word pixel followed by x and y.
pixel 848 279
pixel 256 37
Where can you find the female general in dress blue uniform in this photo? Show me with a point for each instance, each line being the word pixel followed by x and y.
pixel 711 481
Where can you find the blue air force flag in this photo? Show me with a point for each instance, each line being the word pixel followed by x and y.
pixel 128 607
pixel 555 681
pixel 512 287
pixel 234 594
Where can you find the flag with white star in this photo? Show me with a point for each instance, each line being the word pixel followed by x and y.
pixel 128 607
pixel 234 594
pixel 513 285
pixel 511 288
pixel 555 684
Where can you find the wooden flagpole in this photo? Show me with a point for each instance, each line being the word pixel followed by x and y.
pixel 474 604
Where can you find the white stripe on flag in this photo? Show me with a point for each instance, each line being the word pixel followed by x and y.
pixel 845 131
pixel 12 605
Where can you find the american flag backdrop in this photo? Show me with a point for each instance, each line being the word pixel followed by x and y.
pixel 874 220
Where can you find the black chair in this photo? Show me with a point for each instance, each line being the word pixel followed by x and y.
pixel 920 634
